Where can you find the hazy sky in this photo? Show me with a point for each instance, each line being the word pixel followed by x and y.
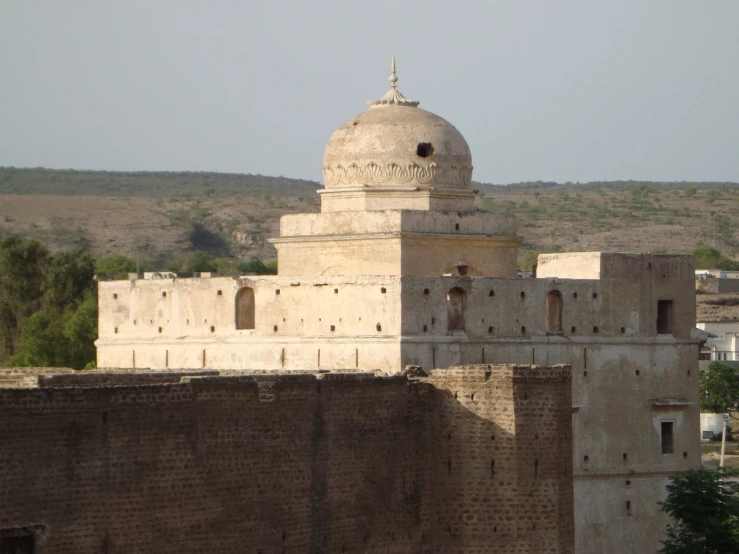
pixel 553 90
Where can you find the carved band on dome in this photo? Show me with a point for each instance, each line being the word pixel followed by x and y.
pixel 374 174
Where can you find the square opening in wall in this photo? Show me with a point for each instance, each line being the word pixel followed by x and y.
pixel 24 544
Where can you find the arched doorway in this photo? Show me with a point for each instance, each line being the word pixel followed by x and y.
pixel 245 308
pixel 456 301
pixel 554 312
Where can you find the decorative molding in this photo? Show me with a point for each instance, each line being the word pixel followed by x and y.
pixel 374 174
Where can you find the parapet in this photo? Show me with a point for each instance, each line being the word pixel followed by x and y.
pixel 615 265
pixel 486 372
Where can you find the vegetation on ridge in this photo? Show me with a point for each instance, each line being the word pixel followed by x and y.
pixel 164 217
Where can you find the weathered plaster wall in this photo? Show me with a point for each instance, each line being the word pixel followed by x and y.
pixel 712 285
pixel 343 322
pixel 397 242
pixel 293 463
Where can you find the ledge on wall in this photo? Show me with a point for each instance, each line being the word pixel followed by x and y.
pixel 670 403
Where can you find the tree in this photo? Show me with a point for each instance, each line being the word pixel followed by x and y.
pixel 705 509
pixel 68 277
pixel 707 257
pixel 22 269
pixel 56 339
pixel 258 267
pixel 198 262
pixel 206 240
pixel 41 342
pixel 81 331
pixel 719 387
pixel 48 306
pixel 115 266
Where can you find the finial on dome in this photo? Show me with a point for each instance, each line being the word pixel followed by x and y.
pixel 393 96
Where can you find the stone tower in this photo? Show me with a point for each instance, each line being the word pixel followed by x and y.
pixel 398 201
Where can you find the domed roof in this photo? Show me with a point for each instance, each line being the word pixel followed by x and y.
pixel 395 143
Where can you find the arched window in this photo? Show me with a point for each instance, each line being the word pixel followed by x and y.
pixel 554 312
pixel 245 308
pixel 456 301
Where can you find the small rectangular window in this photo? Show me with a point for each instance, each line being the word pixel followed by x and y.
pixel 668 437
pixel 664 317
pixel 23 544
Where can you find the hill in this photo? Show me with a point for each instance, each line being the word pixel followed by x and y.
pixel 159 214
pixel 158 184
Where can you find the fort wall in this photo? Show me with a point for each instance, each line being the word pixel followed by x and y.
pixel 293 463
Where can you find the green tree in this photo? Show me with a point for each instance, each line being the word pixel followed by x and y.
pixel 22 270
pixel 41 342
pixel 719 387
pixel 68 277
pixel 204 239
pixel 56 339
pixel 705 509
pixel 257 266
pixel 115 266
pixel 81 331
pixel 707 257
pixel 199 261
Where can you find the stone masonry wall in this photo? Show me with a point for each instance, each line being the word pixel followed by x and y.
pixel 293 463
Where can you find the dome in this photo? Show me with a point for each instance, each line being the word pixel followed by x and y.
pixel 396 144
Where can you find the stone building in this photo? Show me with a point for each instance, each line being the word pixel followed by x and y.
pixel 399 269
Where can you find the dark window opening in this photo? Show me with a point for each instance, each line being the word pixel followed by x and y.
pixel 24 544
pixel 664 317
pixel 245 308
pixel 668 437
pixel 462 269
pixel 424 149
pixel 456 300
pixel 554 312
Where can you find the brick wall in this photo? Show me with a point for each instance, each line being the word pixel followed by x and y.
pixel 293 463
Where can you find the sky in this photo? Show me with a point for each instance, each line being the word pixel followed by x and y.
pixel 566 90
